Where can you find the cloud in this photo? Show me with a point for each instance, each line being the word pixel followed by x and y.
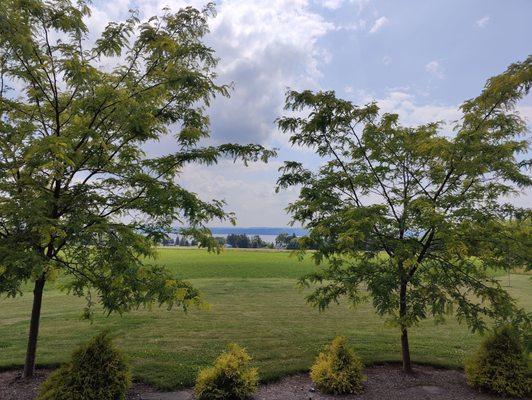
pixel 249 192
pixel 378 24
pixel 332 4
pixel 336 4
pixel 481 23
pixel 410 110
pixel 264 46
pixel 386 60
pixel 435 69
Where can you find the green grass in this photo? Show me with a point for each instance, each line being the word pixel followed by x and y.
pixel 254 302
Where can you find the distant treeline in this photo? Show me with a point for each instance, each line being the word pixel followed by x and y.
pixel 241 241
pixel 179 241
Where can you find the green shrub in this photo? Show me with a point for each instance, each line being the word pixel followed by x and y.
pixel 500 365
pixel 337 369
pixel 97 370
pixel 230 378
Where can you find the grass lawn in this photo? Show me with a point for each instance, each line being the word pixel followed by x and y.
pixel 254 302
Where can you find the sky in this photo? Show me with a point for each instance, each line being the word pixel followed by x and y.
pixel 418 58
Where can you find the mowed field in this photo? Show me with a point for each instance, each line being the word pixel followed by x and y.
pixel 254 302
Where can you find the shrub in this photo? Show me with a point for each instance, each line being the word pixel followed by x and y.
pixel 337 369
pixel 500 365
pixel 230 378
pixel 97 370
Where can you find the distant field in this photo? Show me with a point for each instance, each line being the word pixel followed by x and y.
pixel 254 302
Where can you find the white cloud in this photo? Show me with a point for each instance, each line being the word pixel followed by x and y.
pixel 264 47
pixel 435 69
pixel 249 192
pixel 483 21
pixel 336 4
pixel 386 60
pixel 332 4
pixel 378 24
pixel 409 108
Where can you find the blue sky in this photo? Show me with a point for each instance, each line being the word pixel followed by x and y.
pixel 419 58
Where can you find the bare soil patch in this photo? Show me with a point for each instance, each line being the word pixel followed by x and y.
pixel 383 382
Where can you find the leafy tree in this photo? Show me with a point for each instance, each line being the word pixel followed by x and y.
pixel 238 241
pixel 410 212
pixel 221 240
pixel 256 242
pixel 78 195
pixel 293 243
pixel 281 240
pixel 286 241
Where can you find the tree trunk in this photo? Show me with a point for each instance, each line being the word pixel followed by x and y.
pixel 407 366
pixel 29 366
pixel 405 349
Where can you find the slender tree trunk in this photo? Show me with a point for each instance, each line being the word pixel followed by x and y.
pixel 405 349
pixel 407 366
pixel 29 366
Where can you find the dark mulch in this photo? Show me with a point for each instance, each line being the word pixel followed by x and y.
pixel 383 382
pixel 14 387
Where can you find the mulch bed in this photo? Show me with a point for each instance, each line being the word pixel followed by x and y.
pixel 383 382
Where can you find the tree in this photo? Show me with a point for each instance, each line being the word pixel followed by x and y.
pixel 281 240
pixel 72 167
pixel 220 240
pixel 256 242
pixel 286 241
pixel 412 213
pixel 238 241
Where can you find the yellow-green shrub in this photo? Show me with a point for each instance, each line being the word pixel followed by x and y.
pixel 97 370
pixel 337 369
pixel 230 378
pixel 500 365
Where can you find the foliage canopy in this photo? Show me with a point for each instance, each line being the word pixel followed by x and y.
pixel 416 214
pixel 79 195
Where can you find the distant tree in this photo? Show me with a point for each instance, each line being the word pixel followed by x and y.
pixel 220 240
pixel 293 243
pixel 287 241
pixel 281 240
pixel 73 169
pixel 176 241
pixel 238 241
pixel 410 213
pixel 256 242
pixel 184 242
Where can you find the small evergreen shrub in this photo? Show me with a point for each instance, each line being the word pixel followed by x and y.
pixel 97 370
pixel 500 365
pixel 338 370
pixel 230 378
